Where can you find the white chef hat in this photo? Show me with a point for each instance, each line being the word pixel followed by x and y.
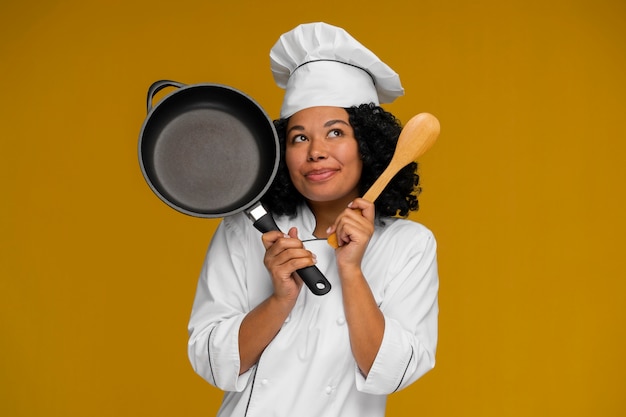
pixel 322 65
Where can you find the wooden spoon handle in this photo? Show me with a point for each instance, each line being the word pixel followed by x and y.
pixel 381 182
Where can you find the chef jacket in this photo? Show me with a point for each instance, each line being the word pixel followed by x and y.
pixel 308 368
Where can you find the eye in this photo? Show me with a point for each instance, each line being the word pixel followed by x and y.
pixel 298 139
pixel 335 133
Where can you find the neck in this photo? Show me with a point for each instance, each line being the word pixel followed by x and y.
pixel 326 212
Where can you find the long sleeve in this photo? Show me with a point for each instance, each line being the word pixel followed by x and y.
pixel 409 302
pixel 221 303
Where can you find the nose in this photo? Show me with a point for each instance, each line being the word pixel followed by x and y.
pixel 317 151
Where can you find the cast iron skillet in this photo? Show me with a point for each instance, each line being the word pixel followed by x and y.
pixel 209 150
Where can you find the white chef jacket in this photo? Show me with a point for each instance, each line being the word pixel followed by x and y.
pixel 308 368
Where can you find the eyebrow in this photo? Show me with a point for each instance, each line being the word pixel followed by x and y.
pixel 327 124
pixel 332 122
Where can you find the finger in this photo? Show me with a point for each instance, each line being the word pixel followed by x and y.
pixel 354 228
pixel 346 232
pixel 270 238
pixel 276 242
pixel 288 251
pixel 367 209
pixel 287 241
pixel 295 257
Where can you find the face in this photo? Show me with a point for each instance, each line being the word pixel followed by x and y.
pixel 322 154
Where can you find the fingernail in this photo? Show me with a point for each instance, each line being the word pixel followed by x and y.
pixel 329 229
pixel 350 205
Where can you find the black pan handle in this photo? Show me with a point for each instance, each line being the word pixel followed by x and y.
pixel 311 275
pixel 158 86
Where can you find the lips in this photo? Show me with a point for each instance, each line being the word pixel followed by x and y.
pixel 320 174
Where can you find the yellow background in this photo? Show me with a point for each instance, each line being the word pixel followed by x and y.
pixel 524 190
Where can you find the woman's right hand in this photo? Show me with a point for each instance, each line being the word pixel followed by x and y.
pixel 284 255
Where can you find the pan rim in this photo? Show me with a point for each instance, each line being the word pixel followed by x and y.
pixel 261 115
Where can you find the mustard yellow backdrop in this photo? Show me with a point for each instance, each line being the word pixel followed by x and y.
pixel 524 190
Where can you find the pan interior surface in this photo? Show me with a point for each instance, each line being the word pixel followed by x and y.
pixel 210 157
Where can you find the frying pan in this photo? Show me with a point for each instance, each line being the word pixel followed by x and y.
pixel 209 150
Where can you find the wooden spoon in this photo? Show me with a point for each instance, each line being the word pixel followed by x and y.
pixel 417 136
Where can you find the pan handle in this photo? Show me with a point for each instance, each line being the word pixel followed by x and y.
pixel 311 275
pixel 158 86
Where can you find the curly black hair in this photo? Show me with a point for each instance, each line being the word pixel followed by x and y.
pixel 376 131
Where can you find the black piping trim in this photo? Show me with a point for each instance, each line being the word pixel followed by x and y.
pixel 334 60
pixel 405 370
pixel 314 239
pixel 251 388
pixel 208 345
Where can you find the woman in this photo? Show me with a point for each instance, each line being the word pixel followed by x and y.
pixel 255 332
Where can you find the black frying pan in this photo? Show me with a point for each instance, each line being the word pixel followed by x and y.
pixel 209 150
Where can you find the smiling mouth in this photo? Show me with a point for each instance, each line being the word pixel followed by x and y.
pixel 320 175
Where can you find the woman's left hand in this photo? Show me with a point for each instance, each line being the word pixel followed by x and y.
pixel 366 324
pixel 354 228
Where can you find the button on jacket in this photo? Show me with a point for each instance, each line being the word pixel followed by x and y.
pixel 308 368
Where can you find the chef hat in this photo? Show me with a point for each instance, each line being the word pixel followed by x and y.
pixel 322 65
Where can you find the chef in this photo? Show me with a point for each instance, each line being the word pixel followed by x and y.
pixel 274 347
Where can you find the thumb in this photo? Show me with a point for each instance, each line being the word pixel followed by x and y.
pixel 293 232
